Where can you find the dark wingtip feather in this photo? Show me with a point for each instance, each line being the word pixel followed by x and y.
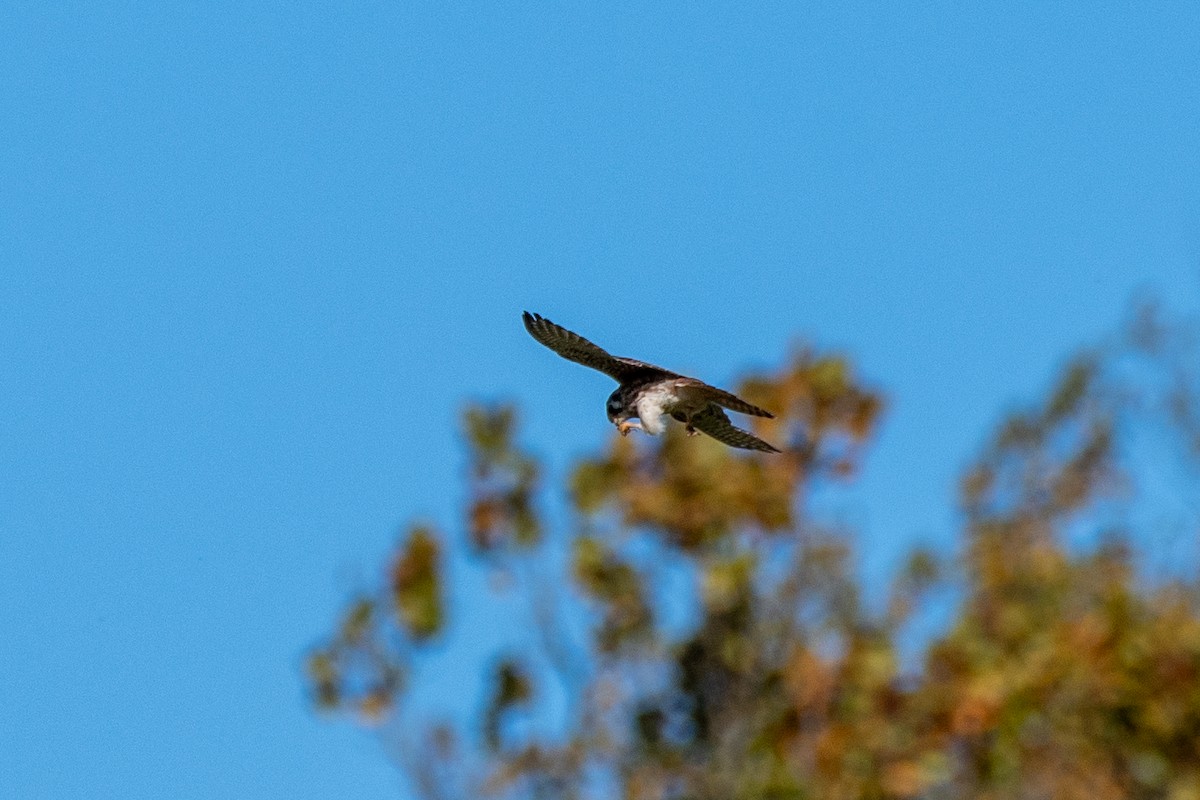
pixel 765 446
pixel 762 446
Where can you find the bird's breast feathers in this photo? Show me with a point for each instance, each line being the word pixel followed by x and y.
pixel 664 397
pixel 652 404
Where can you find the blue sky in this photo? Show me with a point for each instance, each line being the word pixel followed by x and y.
pixel 253 257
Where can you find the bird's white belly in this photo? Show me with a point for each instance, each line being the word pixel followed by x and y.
pixel 652 406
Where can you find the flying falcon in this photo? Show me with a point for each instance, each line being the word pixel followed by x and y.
pixel 650 393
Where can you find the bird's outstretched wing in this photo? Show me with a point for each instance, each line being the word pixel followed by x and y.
pixel 724 398
pixel 574 347
pixel 716 424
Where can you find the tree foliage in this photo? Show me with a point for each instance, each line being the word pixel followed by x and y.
pixel 713 640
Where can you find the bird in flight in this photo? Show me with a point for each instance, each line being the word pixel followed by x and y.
pixel 650 393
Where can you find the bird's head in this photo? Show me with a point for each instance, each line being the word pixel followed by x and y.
pixel 616 409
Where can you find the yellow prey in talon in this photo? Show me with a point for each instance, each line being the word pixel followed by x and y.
pixel 627 426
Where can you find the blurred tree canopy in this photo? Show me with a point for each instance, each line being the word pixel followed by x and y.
pixel 698 631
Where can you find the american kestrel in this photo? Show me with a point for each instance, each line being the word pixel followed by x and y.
pixel 651 393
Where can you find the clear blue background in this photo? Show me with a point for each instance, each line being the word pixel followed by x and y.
pixel 254 256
